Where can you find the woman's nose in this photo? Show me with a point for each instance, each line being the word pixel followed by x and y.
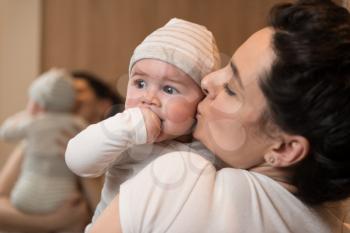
pixel 208 86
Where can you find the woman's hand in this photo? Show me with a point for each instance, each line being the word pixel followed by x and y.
pixel 72 216
pixel 153 124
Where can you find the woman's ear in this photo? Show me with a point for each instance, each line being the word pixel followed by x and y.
pixel 288 151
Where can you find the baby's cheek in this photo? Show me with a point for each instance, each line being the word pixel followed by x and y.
pixel 180 110
pixel 132 97
pixel 131 103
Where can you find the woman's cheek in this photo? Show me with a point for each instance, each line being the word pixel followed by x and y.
pixel 228 135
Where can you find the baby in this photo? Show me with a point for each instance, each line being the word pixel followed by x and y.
pixel 162 95
pixel 45 181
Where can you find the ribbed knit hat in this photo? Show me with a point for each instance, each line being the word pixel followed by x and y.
pixel 54 91
pixel 188 46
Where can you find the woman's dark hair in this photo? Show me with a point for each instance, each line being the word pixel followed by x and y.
pixel 308 93
pixel 101 90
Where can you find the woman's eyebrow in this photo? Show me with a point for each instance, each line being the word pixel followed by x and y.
pixel 236 74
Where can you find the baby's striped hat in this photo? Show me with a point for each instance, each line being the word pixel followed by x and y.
pixel 188 46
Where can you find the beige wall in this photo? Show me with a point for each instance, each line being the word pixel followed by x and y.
pixel 20 22
pixel 101 35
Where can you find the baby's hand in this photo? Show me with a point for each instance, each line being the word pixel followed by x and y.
pixel 153 124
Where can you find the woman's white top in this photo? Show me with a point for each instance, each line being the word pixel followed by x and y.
pixel 182 192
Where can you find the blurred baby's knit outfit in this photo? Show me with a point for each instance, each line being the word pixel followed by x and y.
pixel 45 181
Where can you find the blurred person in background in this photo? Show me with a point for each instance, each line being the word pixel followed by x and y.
pixel 45 181
pixel 95 100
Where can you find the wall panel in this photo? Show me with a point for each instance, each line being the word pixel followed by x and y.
pixel 20 38
pixel 101 35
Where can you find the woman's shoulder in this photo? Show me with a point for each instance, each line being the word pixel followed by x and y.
pixel 178 168
pixel 182 184
pixel 163 187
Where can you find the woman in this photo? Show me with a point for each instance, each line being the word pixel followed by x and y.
pixel 278 115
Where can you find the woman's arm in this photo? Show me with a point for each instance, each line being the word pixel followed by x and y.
pixel 109 221
pixel 72 215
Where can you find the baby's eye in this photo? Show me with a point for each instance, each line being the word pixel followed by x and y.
pixel 170 90
pixel 139 83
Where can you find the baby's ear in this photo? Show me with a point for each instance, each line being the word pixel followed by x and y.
pixel 288 151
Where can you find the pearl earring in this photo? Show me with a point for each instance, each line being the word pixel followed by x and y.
pixel 271 160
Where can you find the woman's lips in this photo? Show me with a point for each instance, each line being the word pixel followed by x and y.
pixel 161 124
pixel 199 112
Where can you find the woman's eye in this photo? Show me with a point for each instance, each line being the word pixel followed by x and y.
pixel 139 83
pixel 170 90
pixel 228 90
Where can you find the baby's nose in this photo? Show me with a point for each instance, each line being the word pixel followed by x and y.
pixel 150 99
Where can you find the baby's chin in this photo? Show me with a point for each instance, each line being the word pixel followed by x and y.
pixel 165 137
